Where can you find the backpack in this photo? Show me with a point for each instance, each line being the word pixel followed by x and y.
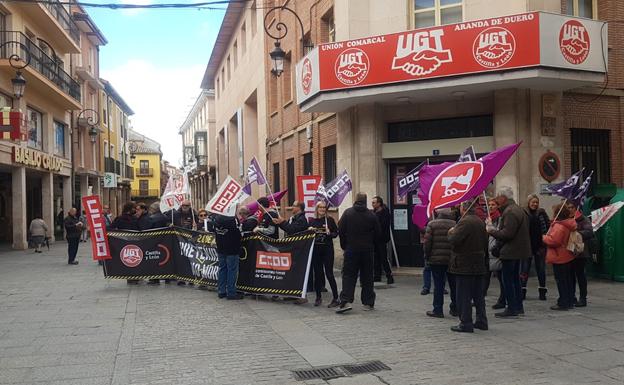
pixel 575 243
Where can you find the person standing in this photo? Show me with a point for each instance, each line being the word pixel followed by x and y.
pixel 248 222
pixel 127 221
pixel 381 244
pixel 296 223
pixel 73 230
pixel 323 255
pixel 538 227
pixel 468 264
pixel 228 238
pixel 584 227
pixel 438 254
pixel 358 228
pixel 143 219
pixel 108 217
pixel 185 216
pixel 38 232
pixel 266 226
pixel 157 218
pixel 513 233
pixel 494 250
pixel 559 256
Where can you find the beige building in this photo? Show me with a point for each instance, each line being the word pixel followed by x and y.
pixel 199 148
pixel 236 72
pixel 36 169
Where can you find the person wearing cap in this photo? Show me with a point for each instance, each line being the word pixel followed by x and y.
pixel 185 216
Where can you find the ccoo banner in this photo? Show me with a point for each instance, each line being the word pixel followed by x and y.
pixel 267 266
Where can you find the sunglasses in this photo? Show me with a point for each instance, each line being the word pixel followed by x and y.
pixel 186 205
pixel 202 215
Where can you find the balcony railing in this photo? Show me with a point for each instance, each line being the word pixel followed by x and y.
pixel 146 193
pixel 39 61
pixel 62 16
pixel 144 172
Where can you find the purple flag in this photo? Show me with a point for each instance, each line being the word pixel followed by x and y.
pixel 468 155
pixel 410 181
pixel 581 193
pixel 569 188
pixel 254 175
pixel 335 191
pixel 450 183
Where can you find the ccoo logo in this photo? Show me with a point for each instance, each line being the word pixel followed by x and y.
pixel 574 42
pixel 131 255
pixel 352 66
pixel 494 47
pixel 306 76
pixel 453 183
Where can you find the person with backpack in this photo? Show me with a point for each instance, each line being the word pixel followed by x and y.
pixel 557 241
pixel 585 228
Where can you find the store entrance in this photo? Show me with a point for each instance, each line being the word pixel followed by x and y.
pixel 34 208
pixel 6 224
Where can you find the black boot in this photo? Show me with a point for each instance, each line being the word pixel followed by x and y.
pixel 542 293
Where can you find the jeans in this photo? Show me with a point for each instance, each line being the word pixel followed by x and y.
pixel 228 273
pixel 439 274
pixel 512 286
pixel 470 289
pixel 323 263
pixel 381 260
pixel 563 276
pixel 72 249
pixel 358 262
pixel 579 275
pixel 540 269
pixel 427 277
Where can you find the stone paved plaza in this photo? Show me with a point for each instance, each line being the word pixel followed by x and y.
pixel 63 324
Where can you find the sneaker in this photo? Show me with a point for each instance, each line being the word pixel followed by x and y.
pixel 390 280
pixel 368 307
pixel 498 306
pixel 506 314
pixel 318 301
pixel 480 326
pixel 235 297
pixel 344 307
pixel 222 295
pixel 462 329
pixel 73 263
pixel 424 292
pixel 333 303
pixel 434 314
pixel 581 303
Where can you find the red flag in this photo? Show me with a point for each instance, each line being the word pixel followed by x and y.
pixel 97 227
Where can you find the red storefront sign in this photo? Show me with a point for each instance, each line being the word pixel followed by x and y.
pixel 502 43
pixel 306 192
pixel 97 227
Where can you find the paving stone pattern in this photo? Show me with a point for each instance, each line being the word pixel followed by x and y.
pixel 63 324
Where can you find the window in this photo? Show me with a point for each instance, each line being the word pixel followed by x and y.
pixel 450 128
pixel 223 77
pixel 59 139
pixel 243 39
pixel 331 28
pixel 329 162
pixel 254 19
pixel 112 151
pixel 428 13
pixel 217 88
pixel 106 149
pixel 144 164
pixel 287 80
pixel 582 8
pixel 35 128
pixel 104 113
pixel 235 53
pixel 229 69
pixel 110 111
pixel 591 149
pixel 328 27
pixel 307 164
pixel 276 177
pixel 143 187
pixel 290 180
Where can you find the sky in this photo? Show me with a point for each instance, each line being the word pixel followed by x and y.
pixel 156 60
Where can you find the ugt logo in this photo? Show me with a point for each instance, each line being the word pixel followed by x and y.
pixel 494 47
pixel 352 66
pixel 131 255
pixel 453 183
pixel 306 76
pixel 574 42
pixel 421 53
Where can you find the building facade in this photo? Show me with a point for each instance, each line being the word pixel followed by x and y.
pixel 146 159
pixel 35 165
pixel 198 145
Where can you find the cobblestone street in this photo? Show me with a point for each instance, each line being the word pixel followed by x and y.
pixel 63 324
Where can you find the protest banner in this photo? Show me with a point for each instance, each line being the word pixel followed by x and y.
pixel 97 227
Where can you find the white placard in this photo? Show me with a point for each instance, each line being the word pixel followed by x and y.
pixel 400 219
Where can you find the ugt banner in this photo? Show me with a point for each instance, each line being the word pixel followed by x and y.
pixel 97 227
pixel 267 266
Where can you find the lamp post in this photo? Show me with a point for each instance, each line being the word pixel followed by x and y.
pixel 18 63
pixel 92 121
pixel 277 55
pixel 132 147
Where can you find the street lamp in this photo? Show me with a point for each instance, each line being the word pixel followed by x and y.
pixel 132 147
pixel 277 55
pixel 92 121
pixel 18 63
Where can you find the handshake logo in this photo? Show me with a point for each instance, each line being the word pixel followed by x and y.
pixel 352 66
pixel 421 53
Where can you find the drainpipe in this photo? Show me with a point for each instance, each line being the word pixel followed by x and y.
pixel 71 150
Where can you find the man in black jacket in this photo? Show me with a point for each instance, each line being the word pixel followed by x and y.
pixel 185 216
pixel 266 226
pixel 358 228
pixel 157 218
pixel 381 245
pixel 73 230
pixel 228 239
pixel 297 222
pixel 143 219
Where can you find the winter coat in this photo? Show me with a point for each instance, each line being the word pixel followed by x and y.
pixel 538 226
pixel 436 244
pixel 513 232
pixel 556 241
pixel 228 236
pixel 295 224
pixel 324 240
pixel 125 222
pixel 158 220
pixel 358 228
pixel 249 224
pixel 72 230
pixel 266 225
pixel 144 222
pixel 585 228
pixel 38 228
pixel 184 219
pixel 383 216
pixel 470 247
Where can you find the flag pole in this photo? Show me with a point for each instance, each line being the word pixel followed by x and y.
pixel 487 207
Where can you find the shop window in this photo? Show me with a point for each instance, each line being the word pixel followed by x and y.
pixel 582 8
pixel 591 149
pixel 428 13
pixel 329 163
pixel 35 128
pixel 290 180
pixel 451 128
pixel 276 177
pixel 307 164
pixel 59 139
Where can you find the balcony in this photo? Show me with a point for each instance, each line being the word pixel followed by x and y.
pixel 43 72
pixel 55 24
pixel 149 193
pixel 144 172
pixel 109 165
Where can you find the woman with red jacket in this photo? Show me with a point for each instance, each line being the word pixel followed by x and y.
pixel 559 256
